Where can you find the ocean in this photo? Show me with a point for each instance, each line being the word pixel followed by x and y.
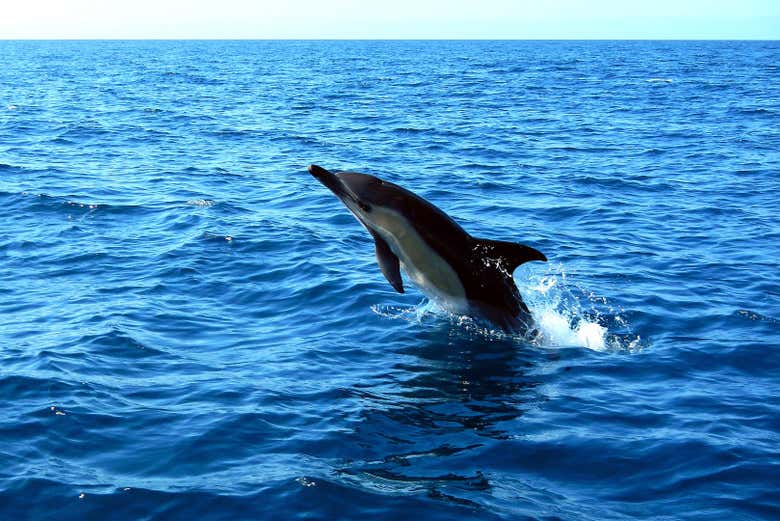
pixel 192 327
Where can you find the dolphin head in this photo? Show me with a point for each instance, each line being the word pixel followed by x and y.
pixel 361 193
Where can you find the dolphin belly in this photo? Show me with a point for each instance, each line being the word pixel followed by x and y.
pixel 426 268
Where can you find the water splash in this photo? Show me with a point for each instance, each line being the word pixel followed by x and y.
pixel 566 315
pixel 413 314
pixel 429 312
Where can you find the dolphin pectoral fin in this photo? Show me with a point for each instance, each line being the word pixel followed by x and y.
pixel 510 255
pixel 388 263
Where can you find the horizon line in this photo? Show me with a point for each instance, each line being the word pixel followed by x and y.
pixel 455 39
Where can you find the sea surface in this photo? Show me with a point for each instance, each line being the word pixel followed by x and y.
pixel 192 327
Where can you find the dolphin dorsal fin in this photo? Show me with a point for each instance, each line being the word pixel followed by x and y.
pixel 388 262
pixel 509 255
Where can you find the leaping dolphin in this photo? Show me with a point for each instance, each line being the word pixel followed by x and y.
pixel 463 274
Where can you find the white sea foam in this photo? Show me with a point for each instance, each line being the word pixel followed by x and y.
pixel 201 203
pixel 558 329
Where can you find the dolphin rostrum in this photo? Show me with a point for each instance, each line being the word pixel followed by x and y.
pixel 463 274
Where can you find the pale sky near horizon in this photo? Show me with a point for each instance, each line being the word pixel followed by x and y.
pixel 304 19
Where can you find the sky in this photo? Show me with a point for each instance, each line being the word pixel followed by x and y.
pixel 404 19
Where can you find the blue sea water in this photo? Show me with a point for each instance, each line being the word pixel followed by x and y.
pixel 192 327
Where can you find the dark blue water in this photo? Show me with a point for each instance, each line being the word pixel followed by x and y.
pixel 192 327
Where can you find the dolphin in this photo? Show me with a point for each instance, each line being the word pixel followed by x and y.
pixel 463 274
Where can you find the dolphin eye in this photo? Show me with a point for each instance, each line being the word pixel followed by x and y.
pixel 365 207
